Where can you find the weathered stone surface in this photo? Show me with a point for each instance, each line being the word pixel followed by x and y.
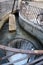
pixel 5 7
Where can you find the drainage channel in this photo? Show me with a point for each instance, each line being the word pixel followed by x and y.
pixel 20 37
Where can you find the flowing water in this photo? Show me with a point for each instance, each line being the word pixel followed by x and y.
pixel 6 37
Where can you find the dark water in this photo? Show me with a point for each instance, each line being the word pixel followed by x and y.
pixel 6 36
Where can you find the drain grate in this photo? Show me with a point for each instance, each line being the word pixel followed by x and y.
pixel 24 44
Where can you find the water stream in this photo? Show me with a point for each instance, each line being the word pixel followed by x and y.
pixel 6 36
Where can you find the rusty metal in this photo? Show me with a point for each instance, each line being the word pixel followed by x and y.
pixel 21 51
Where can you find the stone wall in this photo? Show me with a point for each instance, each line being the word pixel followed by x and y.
pixel 5 7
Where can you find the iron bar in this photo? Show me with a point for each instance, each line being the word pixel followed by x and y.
pixel 13 6
pixel 36 61
pixel 21 51
pixel 40 63
pixel 5 57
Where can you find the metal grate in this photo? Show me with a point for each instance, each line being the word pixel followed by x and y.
pixel 32 11
pixel 25 44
